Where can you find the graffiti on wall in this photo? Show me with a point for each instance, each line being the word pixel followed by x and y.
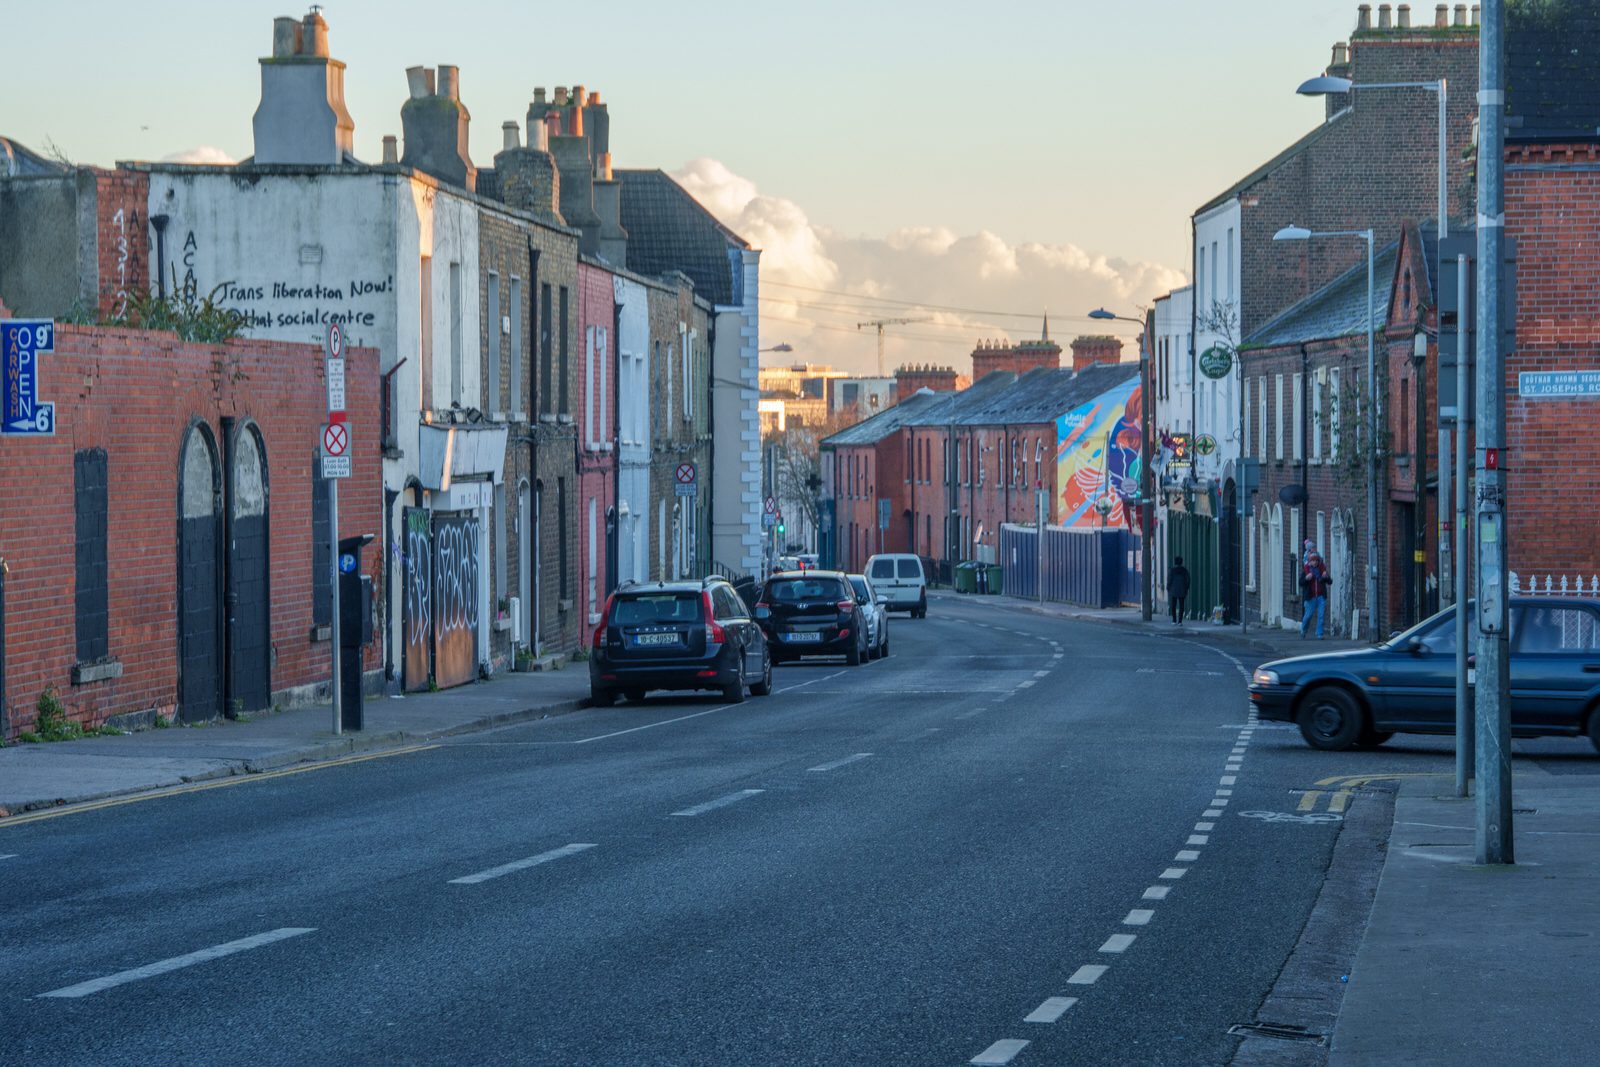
pixel 418 559
pixel 1097 459
pixel 455 599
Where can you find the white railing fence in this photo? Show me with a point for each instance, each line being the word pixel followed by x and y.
pixel 1552 585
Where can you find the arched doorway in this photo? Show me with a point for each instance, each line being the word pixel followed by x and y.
pixel 199 577
pixel 248 597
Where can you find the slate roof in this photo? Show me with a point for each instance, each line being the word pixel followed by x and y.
pixel 670 230
pixel 18 160
pixel 1337 309
pixel 997 399
pixel 1305 142
pixel 1552 70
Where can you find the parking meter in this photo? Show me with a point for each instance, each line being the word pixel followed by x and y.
pixel 355 628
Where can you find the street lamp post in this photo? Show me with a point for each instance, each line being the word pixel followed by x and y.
pixel 1300 233
pixel 1146 481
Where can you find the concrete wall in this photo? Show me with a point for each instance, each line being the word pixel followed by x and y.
pixel 736 516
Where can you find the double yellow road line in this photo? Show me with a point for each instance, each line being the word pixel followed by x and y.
pixel 1340 788
pixel 198 787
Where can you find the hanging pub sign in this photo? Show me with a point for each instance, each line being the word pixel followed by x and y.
pixel 1216 361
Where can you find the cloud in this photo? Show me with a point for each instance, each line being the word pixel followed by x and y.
pixel 929 268
pixel 203 154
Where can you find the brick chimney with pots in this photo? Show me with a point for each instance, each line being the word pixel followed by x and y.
pixel 1089 351
pixel 434 123
pixel 910 379
pixel 529 179
pixel 302 117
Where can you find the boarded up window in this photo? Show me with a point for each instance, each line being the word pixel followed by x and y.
pixel 89 504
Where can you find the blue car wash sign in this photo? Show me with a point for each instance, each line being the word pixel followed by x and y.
pixel 22 341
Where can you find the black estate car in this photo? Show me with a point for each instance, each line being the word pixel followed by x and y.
pixel 812 613
pixel 1362 697
pixel 677 635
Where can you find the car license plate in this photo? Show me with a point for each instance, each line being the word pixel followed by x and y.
pixel 656 639
pixel 806 638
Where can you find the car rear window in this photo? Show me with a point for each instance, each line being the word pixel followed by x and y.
pixel 860 586
pixel 910 568
pixel 882 568
pixel 655 609
pixel 797 590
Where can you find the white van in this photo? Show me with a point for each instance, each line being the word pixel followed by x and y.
pixel 899 578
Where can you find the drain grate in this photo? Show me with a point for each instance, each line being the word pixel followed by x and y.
pixel 1278 1031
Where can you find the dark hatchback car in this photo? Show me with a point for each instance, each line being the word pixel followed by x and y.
pixel 677 635
pixel 812 613
pixel 1362 697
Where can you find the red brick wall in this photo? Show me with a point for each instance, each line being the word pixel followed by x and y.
pixel 596 299
pixel 908 380
pixel 134 393
pixel 1088 351
pixel 1553 212
pixel 123 238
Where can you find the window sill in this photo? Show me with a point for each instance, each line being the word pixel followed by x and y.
pixel 98 671
pixel 320 634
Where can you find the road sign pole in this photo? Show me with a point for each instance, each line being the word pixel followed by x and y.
pixel 1464 711
pixel 1493 808
pixel 333 583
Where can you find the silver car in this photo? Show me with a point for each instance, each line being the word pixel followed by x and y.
pixel 874 609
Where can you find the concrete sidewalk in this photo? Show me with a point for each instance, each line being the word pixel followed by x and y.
pixel 1468 964
pixel 1272 642
pixel 67 772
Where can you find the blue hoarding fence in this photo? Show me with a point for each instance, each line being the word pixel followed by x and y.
pixel 1087 568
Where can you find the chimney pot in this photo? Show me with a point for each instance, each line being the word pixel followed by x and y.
pixel 1363 18
pixel 313 35
pixel 1341 55
pixel 285 37
pixel 605 166
pixel 1475 14
pixel 1402 16
pixel 539 135
pixel 1461 14
pixel 561 96
pixel 417 81
pixel 538 95
pixel 1385 17
pixel 577 122
pixel 391 148
pixel 581 95
pixel 511 135
pixel 1441 16
pixel 594 98
pixel 450 82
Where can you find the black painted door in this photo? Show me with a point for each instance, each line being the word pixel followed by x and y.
pixel 249 679
pixel 199 581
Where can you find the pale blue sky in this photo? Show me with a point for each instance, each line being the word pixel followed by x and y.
pixel 1083 123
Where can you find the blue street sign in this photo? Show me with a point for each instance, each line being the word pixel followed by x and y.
pixel 22 341
pixel 347 563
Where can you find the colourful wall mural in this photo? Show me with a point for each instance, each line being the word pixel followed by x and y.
pixel 1097 457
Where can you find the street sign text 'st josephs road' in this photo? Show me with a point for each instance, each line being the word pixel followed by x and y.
pixel 22 341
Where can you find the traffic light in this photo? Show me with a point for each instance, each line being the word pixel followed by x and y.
pixel 780 527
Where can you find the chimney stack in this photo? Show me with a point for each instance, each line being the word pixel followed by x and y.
pixel 529 179
pixel 1403 16
pixel 391 148
pixel 1441 17
pixel 435 125
pixel 613 239
pixel 1461 14
pixel 1385 17
pixel 302 116
pixel 1092 351
pixel 1363 18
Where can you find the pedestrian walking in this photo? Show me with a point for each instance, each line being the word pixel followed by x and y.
pixel 1314 582
pixel 1177 589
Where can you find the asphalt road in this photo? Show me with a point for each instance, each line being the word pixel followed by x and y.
pixel 895 863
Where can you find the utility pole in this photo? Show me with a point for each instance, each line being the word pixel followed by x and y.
pixel 880 324
pixel 1147 488
pixel 1493 807
pixel 1464 712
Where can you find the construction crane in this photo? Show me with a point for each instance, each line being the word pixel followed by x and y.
pixel 880 324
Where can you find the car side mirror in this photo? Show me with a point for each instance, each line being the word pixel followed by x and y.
pixel 883 598
pixel 1415 646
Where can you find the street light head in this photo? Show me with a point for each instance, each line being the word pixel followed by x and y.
pixel 1101 313
pixel 1292 233
pixel 1327 85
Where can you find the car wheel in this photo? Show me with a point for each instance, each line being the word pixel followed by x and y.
pixel 634 696
pixel 1594 727
pixel 1371 738
pixel 853 657
pixel 1330 719
pixel 884 653
pixel 764 687
pixel 733 694
pixel 602 698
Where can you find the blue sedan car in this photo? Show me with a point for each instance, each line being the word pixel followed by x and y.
pixel 1362 697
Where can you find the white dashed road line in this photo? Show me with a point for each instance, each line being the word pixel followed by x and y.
pixel 1157 892
pixel 1088 974
pixel 521 865
pixel 9 856
pixel 1188 855
pixel 1117 943
pixel 999 1053
pixel 1174 873
pixel 1198 839
pixel 1050 1010
pixel 836 764
pixel 1139 917
pixel 150 970
pixel 720 802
